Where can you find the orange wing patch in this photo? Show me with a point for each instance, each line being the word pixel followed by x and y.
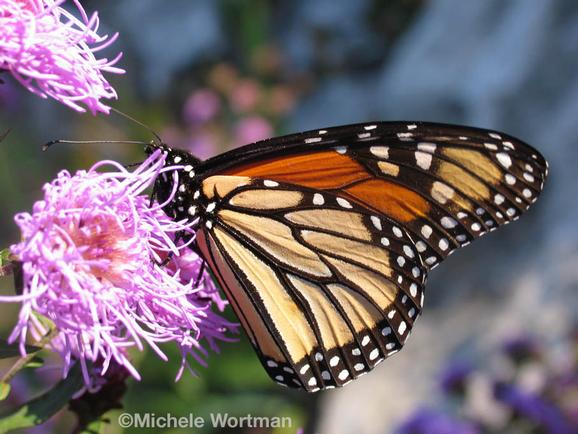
pixel 327 170
pixel 322 170
pixel 393 200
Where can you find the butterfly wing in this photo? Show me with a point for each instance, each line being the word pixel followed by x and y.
pixel 325 289
pixel 322 240
pixel 447 185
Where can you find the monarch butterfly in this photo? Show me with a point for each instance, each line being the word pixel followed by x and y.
pixel 322 240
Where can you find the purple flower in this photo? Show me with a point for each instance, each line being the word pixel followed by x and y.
pixel 428 421
pixel 453 378
pixel 522 348
pixel 252 129
pixel 92 253
pixel 532 407
pixel 245 96
pixel 201 106
pixel 53 53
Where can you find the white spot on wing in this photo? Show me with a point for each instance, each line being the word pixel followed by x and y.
pixel 510 179
pixel 421 246
pixel 423 159
pixel 448 222
pixel 528 177
pixel 343 203
pixel 504 159
pixel 426 231
pixel 491 146
pixel 380 151
pixel 312 140
pixel 443 244
pixel 318 199
pixel 408 251
pixel 427 147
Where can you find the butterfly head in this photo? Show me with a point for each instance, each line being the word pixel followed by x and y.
pixel 181 197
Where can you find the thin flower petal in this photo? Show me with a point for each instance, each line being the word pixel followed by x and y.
pixel 91 255
pixel 52 53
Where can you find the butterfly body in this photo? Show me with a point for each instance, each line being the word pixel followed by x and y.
pixel 322 241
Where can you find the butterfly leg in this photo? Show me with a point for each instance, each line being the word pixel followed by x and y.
pixel 200 274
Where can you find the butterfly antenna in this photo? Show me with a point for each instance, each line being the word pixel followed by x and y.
pixel 130 118
pixel 91 142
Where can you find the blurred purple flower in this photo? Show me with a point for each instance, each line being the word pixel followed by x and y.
pixel 202 143
pixel 201 106
pixel 91 253
pixel 534 408
pixel 453 378
pixel 252 129
pixel 428 421
pixel 521 348
pixel 52 53
pixel 245 95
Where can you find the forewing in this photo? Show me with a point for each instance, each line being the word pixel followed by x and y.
pixel 446 185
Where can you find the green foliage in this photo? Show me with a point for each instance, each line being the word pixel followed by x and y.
pixel 4 257
pixel 40 409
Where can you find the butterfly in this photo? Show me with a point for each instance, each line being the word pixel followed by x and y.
pixel 322 241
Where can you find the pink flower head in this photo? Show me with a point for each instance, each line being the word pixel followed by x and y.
pixel 52 53
pixel 252 129
pixel 202 106
pixel 94 253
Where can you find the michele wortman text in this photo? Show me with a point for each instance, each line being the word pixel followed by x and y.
pixel 191 420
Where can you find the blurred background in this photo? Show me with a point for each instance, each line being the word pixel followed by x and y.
pixel 496 349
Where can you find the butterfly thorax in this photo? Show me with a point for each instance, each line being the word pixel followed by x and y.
pixel 179 188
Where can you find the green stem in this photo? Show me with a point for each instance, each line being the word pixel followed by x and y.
pixel 23 361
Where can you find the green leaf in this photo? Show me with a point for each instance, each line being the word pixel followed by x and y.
pixel 11 350
pixel 43 407
pixel 34 362
pixel 4 257
pixel 4 391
